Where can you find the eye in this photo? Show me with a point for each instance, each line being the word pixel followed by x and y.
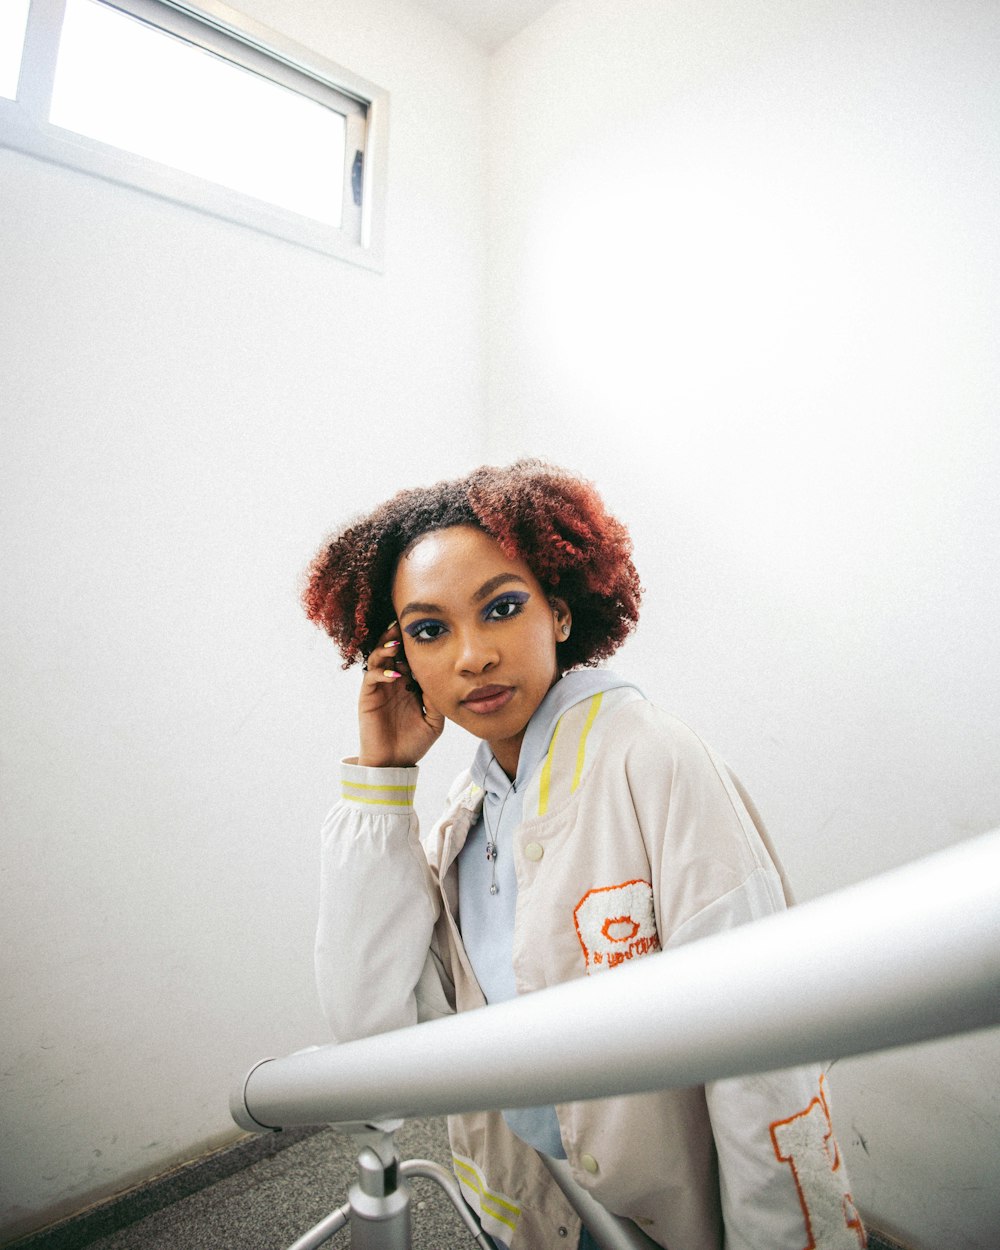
pixel 507 606
pixel 425 631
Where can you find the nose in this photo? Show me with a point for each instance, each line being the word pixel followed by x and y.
pixel 477 652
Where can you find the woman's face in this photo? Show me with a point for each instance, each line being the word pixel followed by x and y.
pixel 480 635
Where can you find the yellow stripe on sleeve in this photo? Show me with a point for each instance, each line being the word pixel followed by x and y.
pixel 546 778
pixel 581 750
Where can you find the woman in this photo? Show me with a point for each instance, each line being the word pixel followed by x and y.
pixel 592 829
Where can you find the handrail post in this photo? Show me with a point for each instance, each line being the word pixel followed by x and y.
pixel 380 1204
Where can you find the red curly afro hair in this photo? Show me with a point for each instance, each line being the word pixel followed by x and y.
pixel 555 522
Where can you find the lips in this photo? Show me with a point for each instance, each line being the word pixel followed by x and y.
pixel 485 699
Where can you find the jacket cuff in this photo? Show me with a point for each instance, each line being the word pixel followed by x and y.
pixel 378 789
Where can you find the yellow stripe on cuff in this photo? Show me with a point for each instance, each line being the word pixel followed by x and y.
pixel 356 798
pixel 393 796
pixel 492 1203
pixel 364 785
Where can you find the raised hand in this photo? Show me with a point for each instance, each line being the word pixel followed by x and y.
pixel 397 727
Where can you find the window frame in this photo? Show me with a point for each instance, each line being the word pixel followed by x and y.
pixel 24 124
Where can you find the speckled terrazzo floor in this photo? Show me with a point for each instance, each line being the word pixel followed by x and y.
pixel 264 1193
pixel 264 1206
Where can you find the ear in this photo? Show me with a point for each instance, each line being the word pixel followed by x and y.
pixel 562 618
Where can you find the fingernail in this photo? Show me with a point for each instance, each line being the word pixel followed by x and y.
pixel 391 673
pixel 393 642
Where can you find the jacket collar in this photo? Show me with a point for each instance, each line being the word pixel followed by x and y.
pixel 570 689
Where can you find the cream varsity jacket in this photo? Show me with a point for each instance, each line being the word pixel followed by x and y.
pixel 635 837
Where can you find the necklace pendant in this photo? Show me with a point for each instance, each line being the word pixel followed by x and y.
pixel 494 888
pixel 491 851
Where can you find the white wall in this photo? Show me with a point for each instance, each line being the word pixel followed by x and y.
pixel 188 408
pixel 746 274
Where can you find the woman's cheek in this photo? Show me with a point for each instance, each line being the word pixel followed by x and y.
pixel 421 671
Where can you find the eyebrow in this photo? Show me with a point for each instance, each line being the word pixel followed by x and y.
pixel 487 588
pixel 484 592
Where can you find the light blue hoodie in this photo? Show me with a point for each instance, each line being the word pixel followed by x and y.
pixel 487 920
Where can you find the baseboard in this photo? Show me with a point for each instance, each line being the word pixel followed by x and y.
pixel 882 1241
pixel 80 1230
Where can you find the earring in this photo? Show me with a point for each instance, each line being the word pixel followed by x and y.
pixel 565 631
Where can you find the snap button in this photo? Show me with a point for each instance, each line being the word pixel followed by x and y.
pixel 533 852
pixel 563 1231
pixel 589 1164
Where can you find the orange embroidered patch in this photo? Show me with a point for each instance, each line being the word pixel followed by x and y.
pixel 806 1143
pixel 620 928
pixel 615 923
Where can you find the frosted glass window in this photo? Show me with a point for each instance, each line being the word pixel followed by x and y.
pixel 132 85
pixel 13 21
pixel 200 105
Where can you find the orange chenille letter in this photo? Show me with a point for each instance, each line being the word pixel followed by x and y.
pixel 806 1143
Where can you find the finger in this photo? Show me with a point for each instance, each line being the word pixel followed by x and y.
pixel 388 647
pixel 388 661
pixel 375 676
pixel 382 665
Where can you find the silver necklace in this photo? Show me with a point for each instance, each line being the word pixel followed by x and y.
pixel 491 842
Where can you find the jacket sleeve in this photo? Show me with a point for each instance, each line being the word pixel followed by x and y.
pixel 375 966
pixel 782 1180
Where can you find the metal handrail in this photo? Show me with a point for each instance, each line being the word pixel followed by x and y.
pixel 907 956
